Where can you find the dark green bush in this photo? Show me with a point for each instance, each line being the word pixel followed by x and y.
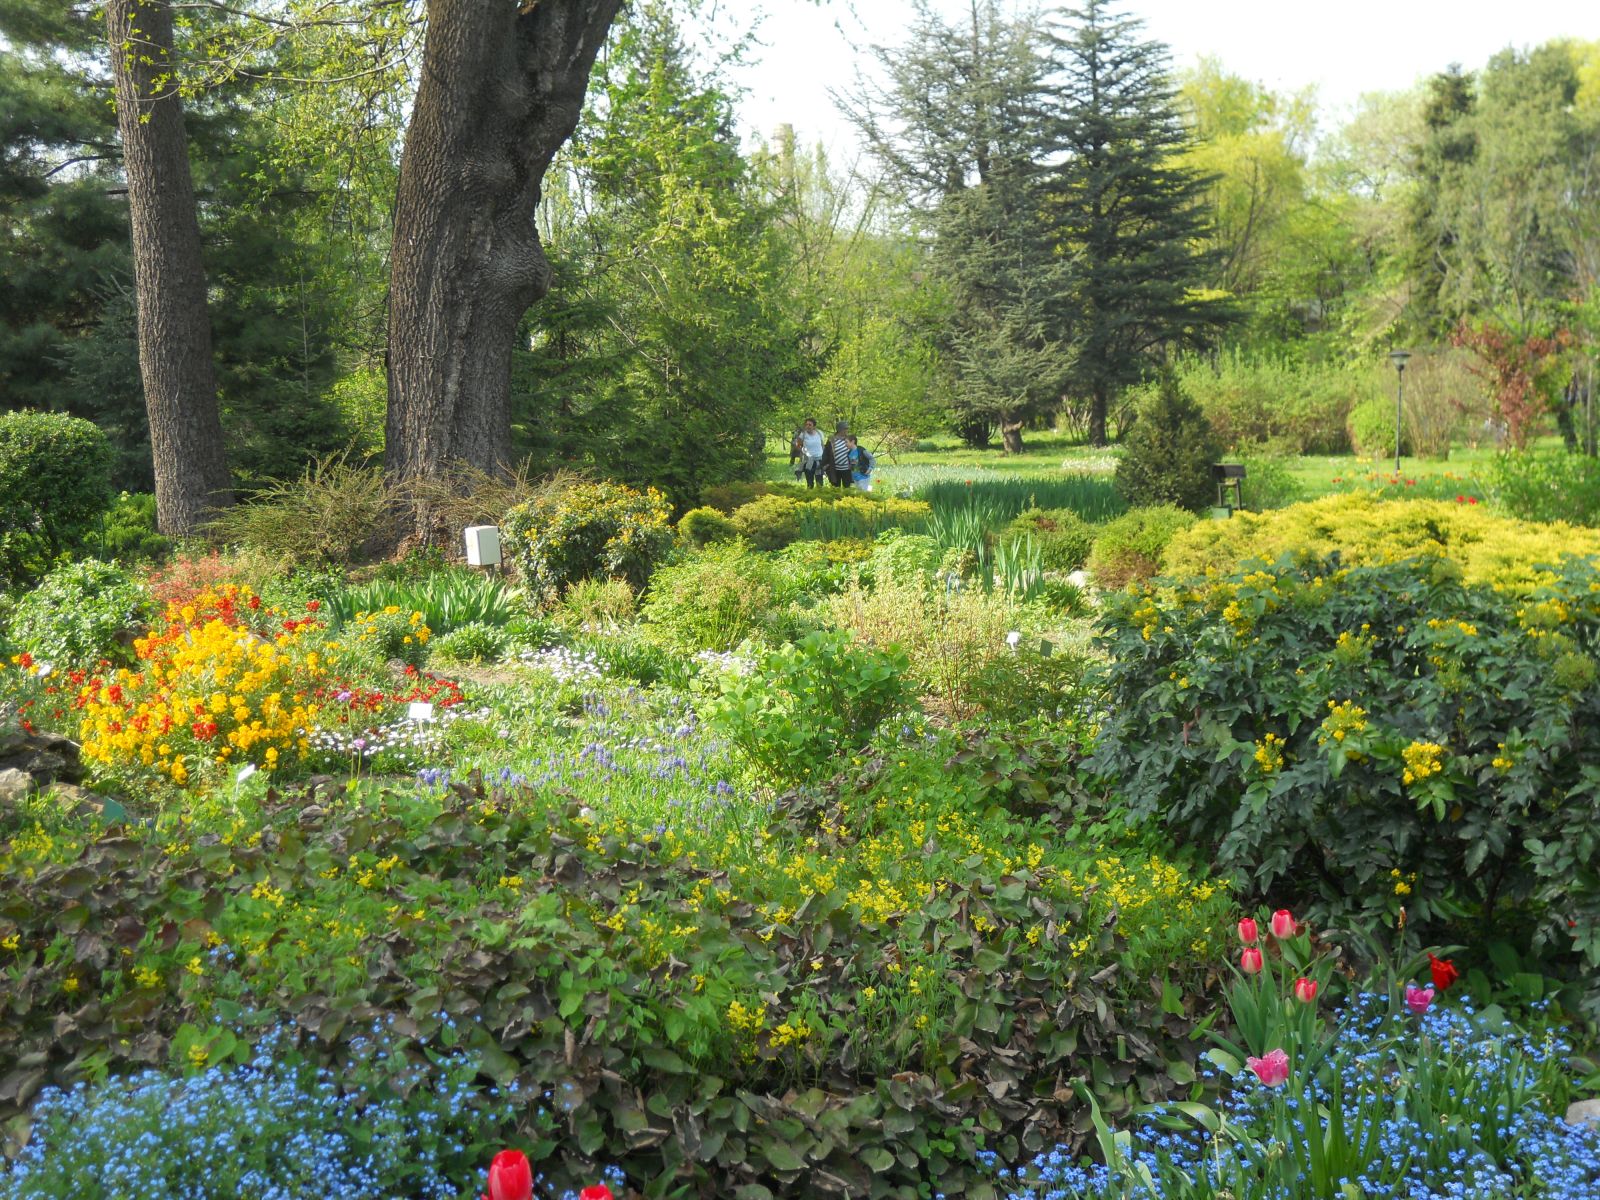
pixel 1170 453
pixel 1358 739
pixel 55 481
pixel 702 527
pixel 473 642
pixel 726 497
pixel 127 533
pixel 1130 547
pixel 585 530
pixel 1063 537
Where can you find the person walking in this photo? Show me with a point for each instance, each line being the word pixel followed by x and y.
pixel 839 456
pixel 809 443
pixel 861 465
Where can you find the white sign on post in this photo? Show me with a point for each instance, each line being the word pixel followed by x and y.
pixel 421 711
pixel 483 546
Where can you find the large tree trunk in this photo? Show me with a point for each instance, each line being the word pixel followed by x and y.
pixel 1011 435
pixel 501 90
pixel 1099 405
pixel 180 385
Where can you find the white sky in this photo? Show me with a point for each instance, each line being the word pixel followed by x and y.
pixel 1343 47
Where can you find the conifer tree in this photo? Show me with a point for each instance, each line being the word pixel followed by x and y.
pixel 1129 213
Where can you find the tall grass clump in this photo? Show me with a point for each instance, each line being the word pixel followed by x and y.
pixel 1094 498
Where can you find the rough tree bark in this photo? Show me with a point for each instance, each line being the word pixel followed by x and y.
pixel 174 328
pixel 501 90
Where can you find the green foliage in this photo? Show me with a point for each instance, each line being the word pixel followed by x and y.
pixel 900 555
pixel 80 613
pixel 702 527
pixel 726 497
pixel 326 517
pixel 1131 547
pixel 1170 453
pixel 390 634
pixel 1362 738
pixel 712 600
pixel 55 481
pixel 807 702
pixel 1547 487
pixel 1063 537
pixel 1270 483
pixel 585 530
pixel 769 522
pixel 1303 406
pixel 598 605
pixel 447 599
pixel 127 532
pixel 1094 498
pixel 1372 428
pixel 474 642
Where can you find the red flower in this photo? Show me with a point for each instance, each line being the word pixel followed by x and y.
pixel 1444 972
pixel 1283 924
pixel 598 1192
pixel 1472 499
pixel 25 660
pixel 1250 961
pixel 1305 990
pixel 510 1177
pixel 313 605
pixel 1461 499
pixel 255 601
pixel 1248 932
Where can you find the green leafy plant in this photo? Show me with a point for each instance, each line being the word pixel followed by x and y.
pixel 328 516
pixel 807 702
pixel 446 599
pixel 701 527
pixel 80 613
pixel 473 642
pixel 1372 429
pixel 1541 486
pixel 712 600
pixel 1063 537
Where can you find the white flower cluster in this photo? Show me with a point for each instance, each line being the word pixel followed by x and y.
pixel 410 741
pixel 727 662
pixel 564 665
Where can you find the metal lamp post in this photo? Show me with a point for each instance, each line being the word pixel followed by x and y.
pixel 1399 359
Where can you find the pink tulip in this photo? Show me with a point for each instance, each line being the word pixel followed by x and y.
pixel 1282 924
pixel 1250 961
pixel 1272 1069
pixel 1305 991
pixel 1248 931
pixel 1418 999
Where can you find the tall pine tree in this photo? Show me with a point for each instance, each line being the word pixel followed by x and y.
pixel 1129 214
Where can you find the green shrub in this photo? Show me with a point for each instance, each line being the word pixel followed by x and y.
pixel 712 600
pixel 586 530
pixel 1362 738
pixel 900 555
pixel 809 702
pixel 80 613
pixel 598 605
pixel 1131 547
pixel 1063 537
pixel 1248 400
pixel 769 523
pixel 329 516
pixel 1269 483
pixel 473 642
pixel 55 481
pixel 1363 528
pixel 127 532
pixel 725 498
pixel 701 527
pixel 1547 487
pixel 1372 430
pixel 1170 453
pixel 854 514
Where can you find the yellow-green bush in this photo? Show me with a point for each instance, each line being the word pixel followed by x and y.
pixel 1131 547
pixel 705 526
pixel 1366 530
pixel 769 523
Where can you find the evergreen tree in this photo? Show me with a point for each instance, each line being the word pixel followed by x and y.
pixel 957 124
pixel 1127 210
pixel 1448 146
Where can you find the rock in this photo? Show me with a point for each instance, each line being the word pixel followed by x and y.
pixel 81 799
pixel 46 757
pixel 1584 1112
pixel 14 785
pixel 1080 579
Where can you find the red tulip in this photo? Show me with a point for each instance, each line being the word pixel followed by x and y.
pixel 1272 1069
pixel 598 1192
pixel 1282 924
pixel 1418 999
pixel 510 1177
pixel 1444 972
pixel 1248 932
pixel 1250 961
pixel 1305 991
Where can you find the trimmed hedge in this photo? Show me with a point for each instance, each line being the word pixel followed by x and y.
pixel 55 482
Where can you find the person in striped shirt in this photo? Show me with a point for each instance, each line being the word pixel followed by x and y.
pixel 838 456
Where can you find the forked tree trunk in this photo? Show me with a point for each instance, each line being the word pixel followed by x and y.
pixel 501 90
pixel 1011 436
pixel 175 363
